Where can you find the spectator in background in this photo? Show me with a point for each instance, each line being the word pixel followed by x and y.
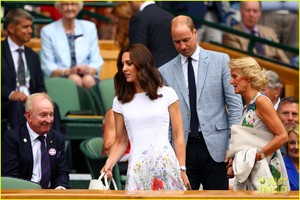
pixel 273 88
pixel 151 26
pixel 207 102
pixel 70 47
pixel 17 86
pixel 212 12
pixel 250 15
pixel 282 16
pixel 122 13
pixel 21 151
pixel 217 12
pixel 291 159
pixel 287 111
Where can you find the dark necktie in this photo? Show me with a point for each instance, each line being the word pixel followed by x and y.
pixel 194 123
pixel 71 39
pixel 258 46
pixel 45 164
pixel 21 68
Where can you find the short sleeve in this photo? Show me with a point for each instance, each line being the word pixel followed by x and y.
pixel 171 95
pixel 116 105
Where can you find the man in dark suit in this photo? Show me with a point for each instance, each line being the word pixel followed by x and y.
pixel 151 27
pixel 22 155
pixel 18 23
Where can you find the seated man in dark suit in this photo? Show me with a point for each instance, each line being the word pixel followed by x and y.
pixel 33 151
pixel 20 75
pixel 250 15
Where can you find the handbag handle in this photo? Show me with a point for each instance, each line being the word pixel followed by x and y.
pixel 106 182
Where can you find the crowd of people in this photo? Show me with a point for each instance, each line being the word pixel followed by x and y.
pixel 175 102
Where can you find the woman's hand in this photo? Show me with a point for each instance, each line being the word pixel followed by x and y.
pixel 229 168
pixel 230 172
pixel 185 180
pixel 108 171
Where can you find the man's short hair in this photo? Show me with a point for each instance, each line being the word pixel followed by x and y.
pixel 14 16
pixel 285 100
pixel 274 79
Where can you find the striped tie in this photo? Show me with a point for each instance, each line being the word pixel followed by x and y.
pixel 21 68
pixel 45 164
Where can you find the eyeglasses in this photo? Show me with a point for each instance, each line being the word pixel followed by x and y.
pixel 69 4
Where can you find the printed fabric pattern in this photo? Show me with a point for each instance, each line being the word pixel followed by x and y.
pixel 250 119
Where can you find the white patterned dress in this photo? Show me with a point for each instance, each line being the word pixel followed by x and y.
pixel 153 164
pixel 250 119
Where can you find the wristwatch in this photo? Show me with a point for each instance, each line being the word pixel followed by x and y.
pixel 183 168
pixel 262 155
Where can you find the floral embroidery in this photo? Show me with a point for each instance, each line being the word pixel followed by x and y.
pixel 157 169
pixel 275 168
pixel 157 184
pixel 249 115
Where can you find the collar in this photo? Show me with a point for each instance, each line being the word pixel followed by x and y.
pixel 277 103
pixel 249 30
pixel 195 56
pixel 33 135
pixel 13 46
pixel 147 3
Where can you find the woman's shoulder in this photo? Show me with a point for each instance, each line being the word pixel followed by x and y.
pixel 262 99
pixel 85 23
pixel 166 89
pixel 49 27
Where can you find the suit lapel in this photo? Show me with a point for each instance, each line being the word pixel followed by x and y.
pixel 178 73
pixel 244 42
pixel 202 71
pixel 29 62
pixel 79 42
pixel 27 145
pixel 9 59
pixel 51 146
pixel 60 41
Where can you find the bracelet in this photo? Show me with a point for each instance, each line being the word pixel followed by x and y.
pixel 261 154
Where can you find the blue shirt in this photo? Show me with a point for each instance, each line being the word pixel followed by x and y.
pixel 292 172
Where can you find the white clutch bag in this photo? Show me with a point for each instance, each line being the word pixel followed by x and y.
pixel 243 137
pixel 102 183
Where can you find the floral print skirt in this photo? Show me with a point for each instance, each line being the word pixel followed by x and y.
pixel 154 169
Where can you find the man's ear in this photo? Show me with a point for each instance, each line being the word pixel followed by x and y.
pixel 27 116
pixel 277 91
pixel 11 28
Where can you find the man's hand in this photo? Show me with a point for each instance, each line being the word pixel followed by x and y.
pixel 18 96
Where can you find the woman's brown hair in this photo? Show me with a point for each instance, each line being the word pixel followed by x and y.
pixel 148 75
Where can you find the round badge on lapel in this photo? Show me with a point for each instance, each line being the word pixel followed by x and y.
pixel 52 152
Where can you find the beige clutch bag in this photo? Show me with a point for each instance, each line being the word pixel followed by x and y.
pixel 243 137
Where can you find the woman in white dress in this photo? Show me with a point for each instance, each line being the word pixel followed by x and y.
pixel 143 109
pixel 248 79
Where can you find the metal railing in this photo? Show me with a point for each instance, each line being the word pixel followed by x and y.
pixel 252 40
pixel 41 19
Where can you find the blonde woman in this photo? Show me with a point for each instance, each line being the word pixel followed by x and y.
pixel 248 78
pixel 291 159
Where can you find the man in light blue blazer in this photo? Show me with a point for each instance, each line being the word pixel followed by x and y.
pixel 217 106
pixel 80 60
